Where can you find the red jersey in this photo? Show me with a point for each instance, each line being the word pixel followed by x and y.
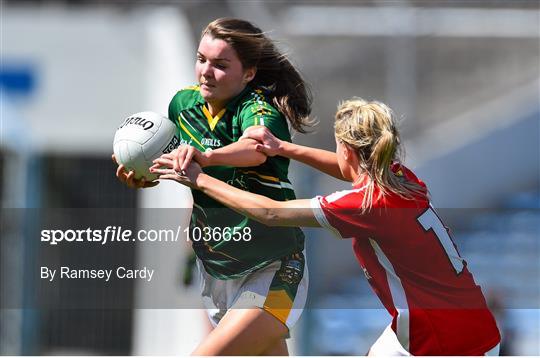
pixel 414 267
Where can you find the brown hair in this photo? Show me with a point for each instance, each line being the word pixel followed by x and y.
pixel 370 128
pixel 290 93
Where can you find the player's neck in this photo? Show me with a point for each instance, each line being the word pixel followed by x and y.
pixel 357 176
pixel 214 108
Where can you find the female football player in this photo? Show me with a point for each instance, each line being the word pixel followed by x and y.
pixel 243 80
pixel 401 244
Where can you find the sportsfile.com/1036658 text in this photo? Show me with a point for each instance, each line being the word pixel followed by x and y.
pixel 119 234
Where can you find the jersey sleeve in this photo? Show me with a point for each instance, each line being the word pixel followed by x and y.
pixel 180 101
pixel 340 214
pixel 173 108
pixel 258 112
pixel 317 205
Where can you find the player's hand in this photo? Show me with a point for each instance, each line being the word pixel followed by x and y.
pixel 128 178
pixel 269 144
pixel 181 157
pixel 188 177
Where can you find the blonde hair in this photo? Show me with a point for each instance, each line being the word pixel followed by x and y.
pixel 370 129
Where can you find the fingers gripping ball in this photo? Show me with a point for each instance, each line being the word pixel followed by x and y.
pixel 141 138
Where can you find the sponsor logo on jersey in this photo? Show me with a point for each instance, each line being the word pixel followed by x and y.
pixel 211 142
pixel 138 121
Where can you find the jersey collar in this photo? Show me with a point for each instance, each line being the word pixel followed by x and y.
pixel 230 106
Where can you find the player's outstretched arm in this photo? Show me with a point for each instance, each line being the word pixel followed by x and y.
pixel 320 159
pixel 238 154
pixel 260 208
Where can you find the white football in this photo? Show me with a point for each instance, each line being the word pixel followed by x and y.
pixel 141 138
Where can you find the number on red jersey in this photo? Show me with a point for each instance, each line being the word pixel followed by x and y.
pixel 430 221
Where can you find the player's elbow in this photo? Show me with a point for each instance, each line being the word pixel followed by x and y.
pixel 273 217
pixel 264 216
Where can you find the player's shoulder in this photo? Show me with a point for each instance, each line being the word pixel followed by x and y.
pixel 401 171
pixel 346 199
pixel 257 94
pixel 257 100
pixel 187 97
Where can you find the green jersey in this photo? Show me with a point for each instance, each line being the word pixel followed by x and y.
pixel 258 245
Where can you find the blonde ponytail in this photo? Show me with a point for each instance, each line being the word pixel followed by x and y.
pixel 370 128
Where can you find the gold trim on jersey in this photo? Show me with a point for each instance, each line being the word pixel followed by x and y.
pixel 272 182
pixel 188 132
pixel 262 176
pixel 212 250
pixel 212 120
pixel 193 88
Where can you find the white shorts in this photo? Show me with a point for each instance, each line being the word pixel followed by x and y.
pixel 388 345
pixel 279 288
